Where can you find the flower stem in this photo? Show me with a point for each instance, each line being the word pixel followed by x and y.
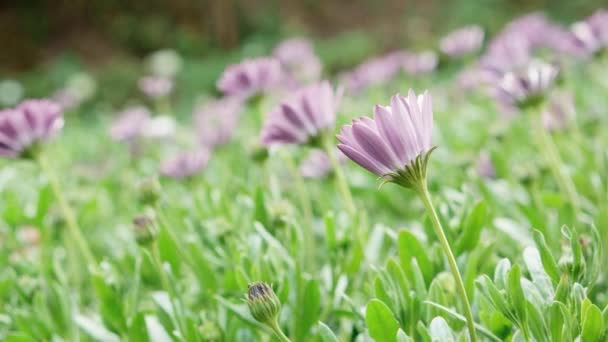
pixel 445 245
pixel 68 214
pixel 278 332
pixel 548 148
pixel 340 179
pixel 307 231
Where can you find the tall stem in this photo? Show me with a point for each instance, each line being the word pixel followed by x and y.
pixel 68 214
pixel 447 250
pixel 307 231
pixel 330 149
pixel 278 332
pixel 547 147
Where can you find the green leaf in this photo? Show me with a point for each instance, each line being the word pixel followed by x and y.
pixel 516 294
pixel 110 304
pixel 402 336
pixel 310 309
pixel 440 330
pixel 592 327
pixel 472 229
pixel 325 333
pixel 410 248
pixel 260 213
pixel 549 263
pixel 95 330
pixel 138 332
pixel 381 322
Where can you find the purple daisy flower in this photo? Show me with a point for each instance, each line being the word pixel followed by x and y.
pixel 129 123
pixel 527 86
pixel 23 127
pixel 374 71
pixel 186 164
pixel 318 165
pixel 216 121
pixel 591 34
pixel 419 63
pixel 299 59
pixel 302 118
pixel 155 86
pixel 250 77
pixel 463 41
pixel 397 136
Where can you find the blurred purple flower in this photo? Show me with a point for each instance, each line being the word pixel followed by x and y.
pixel 216 121
pixel 23 127
pixel 303 117
pixel 318 165
pixel 374 71
pixel 591 34
pixel 155 86
pixel 186 164
pixel 484 166
pixel 419 63
pixel 397 135
pixel 527 86
pixel 560 112
pixel 299 59
pixel 463 41
pixel 250 77
pixel 129 123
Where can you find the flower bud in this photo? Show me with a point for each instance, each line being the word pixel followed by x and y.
pixel 148 191
pixel 145 230
pixel 263 303
pixel 210 331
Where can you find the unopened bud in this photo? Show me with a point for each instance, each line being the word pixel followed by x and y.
pixel 149 191
pixel 145 230
pixel 263 303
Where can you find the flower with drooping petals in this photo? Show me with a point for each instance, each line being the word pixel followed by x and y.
pixel 396 144
pixel 302 118
pixel 420 63
pixel 155 86
pixel 22 128
pixel 299 59
pixel 318 165
pixel 186 164
pixel 129 123
pixel 250 77
pixel 216 121
pixel 528 86
pixel 463 41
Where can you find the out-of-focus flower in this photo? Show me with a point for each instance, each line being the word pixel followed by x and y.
pixel 162 126
pixel 166 63
pixel 420 63
pixel 186 164
pixel 30 123
pixel 11 92
pixel 375 71
pixel 129 123
pixel 484 166
pixel 299 59
pixel 155 86
pixel 250 77
pixel 318 165
pixel 29 236
pixel 560 112
pixel 396 142
pixel 216 120
pixel 591 34
pixel 527 86
pixel 302 118
pixel 505 54
pixel 463 41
